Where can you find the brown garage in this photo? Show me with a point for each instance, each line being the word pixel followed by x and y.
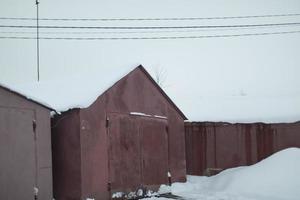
pixel 25 148
pixel 129 138
pixel 215 146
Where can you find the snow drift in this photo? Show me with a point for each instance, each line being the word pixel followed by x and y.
pixel 276 178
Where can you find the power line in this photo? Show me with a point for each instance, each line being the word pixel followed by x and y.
pixel 154 19
pixel 133 32
pixel 153 38
pixel 152 27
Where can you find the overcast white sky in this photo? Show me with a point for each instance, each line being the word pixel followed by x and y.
pixel 221 79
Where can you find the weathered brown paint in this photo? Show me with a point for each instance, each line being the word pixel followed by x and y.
pixel 154 161
pixel 195 157
pixel 132 159
pixel 124 152
pixel 16 156
pixel 25 154
pixel 66 161
pixel 136 92
pixel 225 145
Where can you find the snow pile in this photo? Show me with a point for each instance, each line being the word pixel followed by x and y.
pixel 117 195
pixel 276 178
pixel 134 195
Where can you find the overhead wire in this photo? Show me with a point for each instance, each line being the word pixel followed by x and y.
pixel 147 29
pixel 154 19
pixel 154 38
pixel 152 27
pixel 134 32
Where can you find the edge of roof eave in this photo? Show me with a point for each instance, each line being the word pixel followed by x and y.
pixel 29 99
pixel 140 66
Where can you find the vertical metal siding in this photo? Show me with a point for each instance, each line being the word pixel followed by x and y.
pixel 133 161
pixel 133 93
pixel 18 168
pixel 212 145
pixel 26 149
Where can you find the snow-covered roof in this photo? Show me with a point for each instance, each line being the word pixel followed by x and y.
pixel 72 92
pixel 76 92
pixel 200 99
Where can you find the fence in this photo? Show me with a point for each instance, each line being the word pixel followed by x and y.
pixel 211 147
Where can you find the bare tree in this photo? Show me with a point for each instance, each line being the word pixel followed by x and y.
pixel 160 76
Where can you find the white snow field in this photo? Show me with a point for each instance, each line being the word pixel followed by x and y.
pixel 274 178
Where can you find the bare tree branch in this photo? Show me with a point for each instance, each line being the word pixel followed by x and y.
pixel 160 76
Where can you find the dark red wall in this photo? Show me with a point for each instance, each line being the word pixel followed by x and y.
pixel 133 93
pixel 225 145
pixel 66 155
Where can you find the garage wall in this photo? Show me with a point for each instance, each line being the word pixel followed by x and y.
pixel 66 155
pixel 218 146
pixel 18 106
pixel 133 93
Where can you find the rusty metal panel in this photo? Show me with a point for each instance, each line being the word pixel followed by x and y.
pixel 227 154
pixel 223 145
pixel 265 138
pixel 133 93
pixel 94 149
pixel 138 152
pixel 18 166
pixel 177 161
pixel 124 152
pixel 198 151
pixel 250 142
pixel 12 100
pixel 154 150
pixel 66 156
pixel 231 145
pixel 286 135
pixel 211 161
pixel 189 149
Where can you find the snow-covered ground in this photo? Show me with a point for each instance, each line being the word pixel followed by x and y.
pixel 275 178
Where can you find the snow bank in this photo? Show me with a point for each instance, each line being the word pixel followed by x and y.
pixel 276 178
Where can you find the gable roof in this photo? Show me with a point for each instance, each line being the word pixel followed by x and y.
pixel 162 92
pixel 78 92
pixel 13 90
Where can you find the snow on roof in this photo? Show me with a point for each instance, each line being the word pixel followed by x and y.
pixel 250 108
pixel 72 92
pixel 198 101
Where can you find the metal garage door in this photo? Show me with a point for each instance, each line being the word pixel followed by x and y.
pixel 17 154
pixel 138 151
pixel 154 151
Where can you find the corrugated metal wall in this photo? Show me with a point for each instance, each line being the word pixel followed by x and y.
pixel 214 146
pixel 104 148
pixel 25 148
